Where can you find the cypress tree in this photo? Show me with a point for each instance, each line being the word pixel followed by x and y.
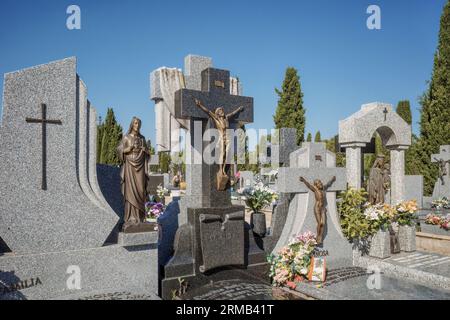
pixel 309 137
pixel 100 128
pixel 290 112
pixel 317 138
pixel 112 134
pixel 435 107
pixel 404 111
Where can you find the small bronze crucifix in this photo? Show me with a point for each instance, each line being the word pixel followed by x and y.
pixel 44 122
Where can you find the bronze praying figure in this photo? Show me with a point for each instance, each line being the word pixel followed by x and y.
pixel 222 123
pixel 134 153
pixel 319 207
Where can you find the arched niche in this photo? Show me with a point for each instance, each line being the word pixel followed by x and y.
pixel 356 132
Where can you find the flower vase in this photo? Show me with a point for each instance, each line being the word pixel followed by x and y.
pixel 258 224
pixel 407 238
pixel 380 245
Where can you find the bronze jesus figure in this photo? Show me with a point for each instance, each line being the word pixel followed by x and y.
pixel 134 153
pixel 319 208
pixel 222 123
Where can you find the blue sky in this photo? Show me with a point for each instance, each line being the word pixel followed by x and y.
pixel 342 64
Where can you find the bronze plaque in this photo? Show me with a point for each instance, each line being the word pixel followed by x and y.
pixel 219 84
pixel 222 240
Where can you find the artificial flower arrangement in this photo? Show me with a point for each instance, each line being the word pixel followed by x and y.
pixel 258 196
pixel 442 203
pixel 438 220
pixel 292 264
pixel 153 210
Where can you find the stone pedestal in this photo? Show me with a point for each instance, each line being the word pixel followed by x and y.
pixel 407 238
pixel 380 246
pixel 213 239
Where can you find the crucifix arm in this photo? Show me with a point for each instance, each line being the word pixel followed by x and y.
pixel 201 106
pixel 235 112
pixel 330 182
pixel 307 184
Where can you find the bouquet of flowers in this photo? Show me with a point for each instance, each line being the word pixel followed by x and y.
pixel 438 220
pixel 442 203
pixel 406 213
pixel 161 192
pixel 379 216
pixel 258 197
pixel 153 211
pixel 292 262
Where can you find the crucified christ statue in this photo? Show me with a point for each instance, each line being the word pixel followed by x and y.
pixel 442 169
pixel 221 121
pixel 319 208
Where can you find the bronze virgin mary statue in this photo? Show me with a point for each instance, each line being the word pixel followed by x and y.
pixel 134 153
pixel 378 181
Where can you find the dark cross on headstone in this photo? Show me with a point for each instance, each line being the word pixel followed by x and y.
pixel 385 111
pixel 44 122
pixel 215 93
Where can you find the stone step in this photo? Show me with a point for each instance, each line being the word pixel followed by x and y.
pixel 430 269
pixel 137 239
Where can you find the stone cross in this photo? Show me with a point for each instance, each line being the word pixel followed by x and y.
pixel 312 161
pixel 44 121
pixel 289 177
pixel 215 93
pixel 442 185
pixel 443 157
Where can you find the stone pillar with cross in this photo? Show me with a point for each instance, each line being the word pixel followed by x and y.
pixel 313 162
pixel 442 159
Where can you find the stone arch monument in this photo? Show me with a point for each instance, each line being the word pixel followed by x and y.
pixel 356 131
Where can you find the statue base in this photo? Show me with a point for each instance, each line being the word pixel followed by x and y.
pixel 139 228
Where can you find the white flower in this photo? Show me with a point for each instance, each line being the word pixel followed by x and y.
pixel 372 213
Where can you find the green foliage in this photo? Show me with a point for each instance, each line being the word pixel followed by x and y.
pixel 164 162
pixel 435 111
pixel 317 138
pixel 100 130
pixel 111 137
pixel 290 112
pixel 309 137
pixel 353 222
pixel 331 146
pixel 404 111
